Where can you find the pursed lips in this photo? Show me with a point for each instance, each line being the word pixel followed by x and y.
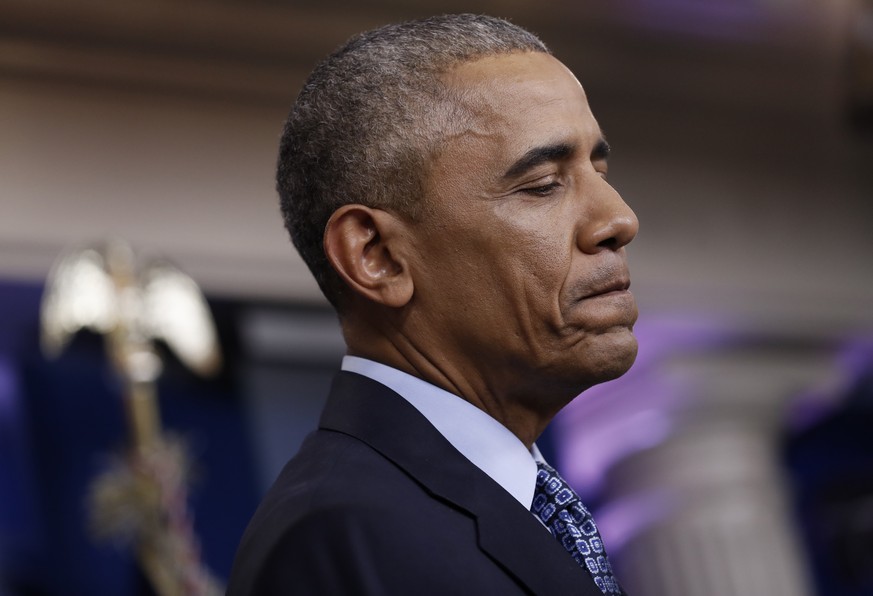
pixel 603 282
pixel 616 287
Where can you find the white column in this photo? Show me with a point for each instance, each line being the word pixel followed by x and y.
pixel 685 457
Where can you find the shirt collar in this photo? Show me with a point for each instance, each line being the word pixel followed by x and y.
pixel 489 445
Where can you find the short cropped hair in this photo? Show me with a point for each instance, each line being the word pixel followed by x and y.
pixel 368 119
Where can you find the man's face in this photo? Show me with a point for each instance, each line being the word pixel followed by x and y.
pixel 520 267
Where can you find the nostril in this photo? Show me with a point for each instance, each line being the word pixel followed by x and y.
pixel 611 243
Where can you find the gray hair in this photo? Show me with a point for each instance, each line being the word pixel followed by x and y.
pixel 368 119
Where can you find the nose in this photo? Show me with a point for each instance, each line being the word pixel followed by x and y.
pixel 608 223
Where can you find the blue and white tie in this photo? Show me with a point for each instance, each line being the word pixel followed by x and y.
pixel 559 508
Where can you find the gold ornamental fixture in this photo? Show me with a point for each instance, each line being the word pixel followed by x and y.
pixel 141 500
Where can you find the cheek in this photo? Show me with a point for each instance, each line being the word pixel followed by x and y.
pixel 539 268
pixel 543 254
pixel 508 260
pixel 531 257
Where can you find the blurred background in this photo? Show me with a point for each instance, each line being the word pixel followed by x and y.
pixel 735 458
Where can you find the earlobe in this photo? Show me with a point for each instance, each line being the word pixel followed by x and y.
pixel 366 246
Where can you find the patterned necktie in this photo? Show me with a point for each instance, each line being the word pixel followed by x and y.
pixel 559 508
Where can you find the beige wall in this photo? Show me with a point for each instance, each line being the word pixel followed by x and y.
pixel 186 177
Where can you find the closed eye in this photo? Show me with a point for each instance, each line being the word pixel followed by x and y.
pixel 542 191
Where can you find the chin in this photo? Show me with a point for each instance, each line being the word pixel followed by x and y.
pixel 571 371
pixel 609 356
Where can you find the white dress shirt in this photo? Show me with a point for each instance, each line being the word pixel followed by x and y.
pixel 489 445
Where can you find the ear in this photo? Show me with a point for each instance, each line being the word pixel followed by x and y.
pixel 366 248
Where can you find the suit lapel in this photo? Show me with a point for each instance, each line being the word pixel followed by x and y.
pixel 508 533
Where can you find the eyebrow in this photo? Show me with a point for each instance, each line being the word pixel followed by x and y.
pixel 601 150
pixel 553 152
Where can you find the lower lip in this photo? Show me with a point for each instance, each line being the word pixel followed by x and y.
pixel 613 293
pixel 617 307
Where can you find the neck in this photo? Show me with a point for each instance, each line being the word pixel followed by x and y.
pixel 523 410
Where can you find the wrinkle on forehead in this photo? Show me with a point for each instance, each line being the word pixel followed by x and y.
pixel 479 92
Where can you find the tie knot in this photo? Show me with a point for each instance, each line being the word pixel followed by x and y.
pixel 553 494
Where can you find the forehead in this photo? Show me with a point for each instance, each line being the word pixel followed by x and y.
pixel 512 103
pixel 519 84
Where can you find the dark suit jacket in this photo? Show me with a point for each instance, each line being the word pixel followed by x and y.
pixel 378 502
